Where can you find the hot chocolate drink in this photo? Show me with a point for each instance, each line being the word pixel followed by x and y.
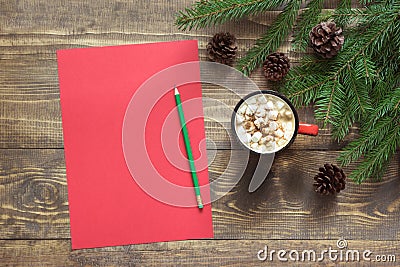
pixel 265 123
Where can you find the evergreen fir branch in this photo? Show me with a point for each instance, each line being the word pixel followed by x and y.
pixel 370 2
pixel 368 42
pixel 207 13
pixel 343 8
pixel 376 160
pixel 272 39
pixel 345 61
pixel 376 13
pixel 328 101
pixel 343 119
pixel 307 20
pixel 326 88
pixel 303 83
pixel 365 67
pixel 379 138
pixel 366 2
pixel 352 102
pixel 381 86
pixel 360 20
pixel 388 62
pixel 390 103
pixel 388 57
pixel 368 139
pixel 361 84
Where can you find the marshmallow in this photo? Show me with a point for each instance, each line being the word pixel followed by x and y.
pixel 288 114
pixel 279 104
pixel 242 109
pixel 240 130
pixel 251 101
pixel 270 146
pixel 245 138
pixel 263 148
pixel 256 137
pixel 258 122
pixel 279 133
pixel 273 125
pixel 269 105
pixel 273 115
pixel 288 135
pixel 254 146
pixel 260 112
pixel 249 126
pixel 250 110
pixel 261 99
pixel 281 142
pixel 240 118
pixel 266 130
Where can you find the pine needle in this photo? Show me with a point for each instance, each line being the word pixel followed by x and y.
pixel 308 19
pixel 208 13
pixel 272 39
pixel 360 85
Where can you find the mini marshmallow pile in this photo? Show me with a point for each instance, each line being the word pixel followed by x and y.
pixel 265 123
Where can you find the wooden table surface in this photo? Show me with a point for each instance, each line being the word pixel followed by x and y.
pixel 284 213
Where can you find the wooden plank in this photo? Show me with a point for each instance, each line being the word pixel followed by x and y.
pixel 33 198
pixel 33 194
pixel 31 33
pixel 286 206
pixel 79 17
pixel 31 118
pixel 33 26
pixel 198 253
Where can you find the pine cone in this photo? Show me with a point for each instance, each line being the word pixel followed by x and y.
pixel 327 39
pixel 276 66
pixel 330 180
pixel 222 48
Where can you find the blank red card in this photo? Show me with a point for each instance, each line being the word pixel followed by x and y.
pixel 106 120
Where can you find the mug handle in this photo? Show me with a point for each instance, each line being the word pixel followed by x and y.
pixel 308 129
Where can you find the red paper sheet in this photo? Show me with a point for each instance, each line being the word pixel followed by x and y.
pixel 102 109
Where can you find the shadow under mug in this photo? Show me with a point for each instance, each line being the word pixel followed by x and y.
pixel 266 158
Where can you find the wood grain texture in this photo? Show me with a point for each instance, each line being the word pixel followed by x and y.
pixel 33 194
pixel 285 206
pixel 30 115
pixel 284 213
pixel 31 32
pixel 33 198
pixel 190 253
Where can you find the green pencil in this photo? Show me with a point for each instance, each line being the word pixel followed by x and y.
pixel 188 148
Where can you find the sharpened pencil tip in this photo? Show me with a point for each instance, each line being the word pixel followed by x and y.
pixel 176 91
pixel 199 202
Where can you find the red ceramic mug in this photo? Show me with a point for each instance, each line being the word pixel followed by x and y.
pixel 280 119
